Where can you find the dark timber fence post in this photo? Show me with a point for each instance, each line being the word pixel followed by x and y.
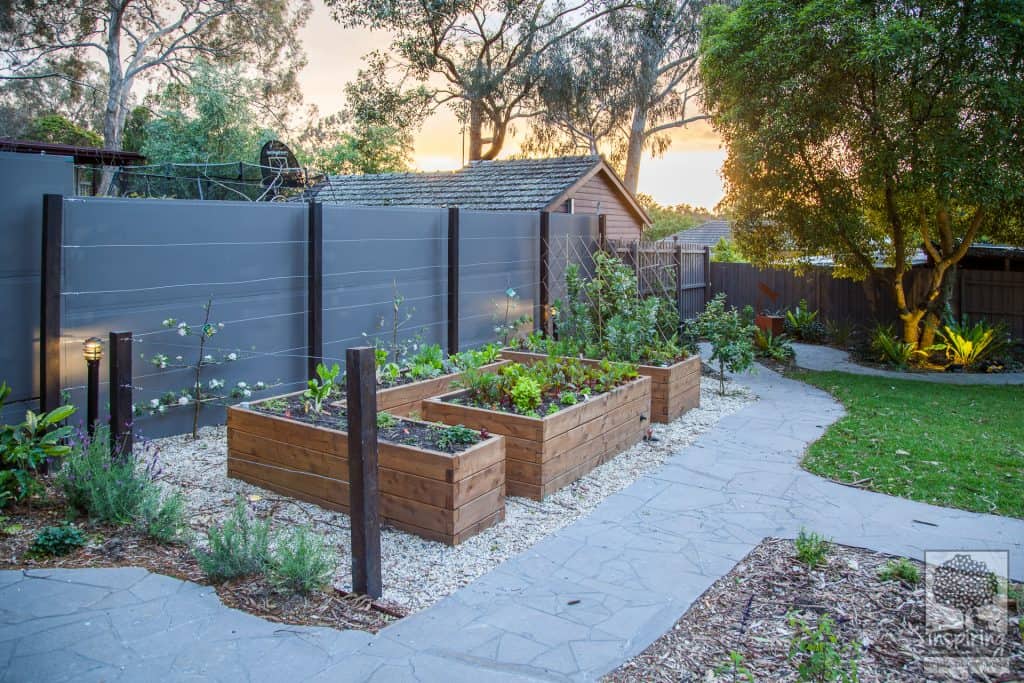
pixel 364 504
pixel 677 258
pixel 602 232
pixel 453 280
pixel 121 434
pixel 50 300
pixel 707 275
pixel 545 273
pixel 315 289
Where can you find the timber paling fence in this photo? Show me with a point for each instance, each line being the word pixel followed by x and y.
pixel 996 296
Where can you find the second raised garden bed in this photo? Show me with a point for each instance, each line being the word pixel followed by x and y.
pixel 675 388
pixel 405 399
pixel 544 454
pixel 441 496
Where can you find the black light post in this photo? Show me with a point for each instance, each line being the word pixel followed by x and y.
pixel 92 349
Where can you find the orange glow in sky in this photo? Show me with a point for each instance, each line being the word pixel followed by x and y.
pixel 687 172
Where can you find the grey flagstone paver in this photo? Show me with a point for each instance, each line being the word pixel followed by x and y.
pixel 572 607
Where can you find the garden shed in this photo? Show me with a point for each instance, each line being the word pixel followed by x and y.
pixel 579 185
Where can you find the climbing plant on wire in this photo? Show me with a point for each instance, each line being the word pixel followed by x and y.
pixel 200 390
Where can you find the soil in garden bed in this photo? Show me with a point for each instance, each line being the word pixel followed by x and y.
pixel 110 546
pixel 405 432
pixel 744 615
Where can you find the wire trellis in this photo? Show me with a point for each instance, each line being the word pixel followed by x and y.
pixel 238 181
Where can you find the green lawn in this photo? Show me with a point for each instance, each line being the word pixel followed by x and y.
pixel 958 446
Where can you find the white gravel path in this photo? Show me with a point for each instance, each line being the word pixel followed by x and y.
pixel 417 572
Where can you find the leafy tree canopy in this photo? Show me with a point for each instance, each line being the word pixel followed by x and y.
pixel 668 220
pixel 862 129
pixel 57 129
pixel 209 119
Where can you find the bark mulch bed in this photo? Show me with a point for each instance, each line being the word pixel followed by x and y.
pixel 123 547
pixel 744 614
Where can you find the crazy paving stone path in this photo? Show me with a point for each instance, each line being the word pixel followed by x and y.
pixel 573 607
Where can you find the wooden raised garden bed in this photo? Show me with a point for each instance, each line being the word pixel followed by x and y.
pixel 440 496
pixel 543 454
pixel 404 399
pixel 674 388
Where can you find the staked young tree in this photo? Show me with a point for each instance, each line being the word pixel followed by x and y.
pixel 864 130
pixel 146 39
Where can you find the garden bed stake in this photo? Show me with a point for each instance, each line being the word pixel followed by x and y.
pixel 364 495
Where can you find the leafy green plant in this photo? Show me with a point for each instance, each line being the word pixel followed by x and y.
pixel 891 350
pixel 802 323
pixel 776 347
pixel 53 541
pixel 605 317
pixel 238 547
pixel 321 387
pixel 818 652
pixel 730 333
pixel 455 436
pixel 969 345
pixel 735 667
pixel 900 569
pixel 427 362
pixel 526 394
pixel 386 420
pixel 839 331
pixel 24 447
pixel 568 398
pixel 811 548
pixel 301 563
pixel 475 358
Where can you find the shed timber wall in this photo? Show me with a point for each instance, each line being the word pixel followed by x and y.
pixel 622 222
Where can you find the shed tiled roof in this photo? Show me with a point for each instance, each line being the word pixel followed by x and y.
pixel 507 185
pixel 706 234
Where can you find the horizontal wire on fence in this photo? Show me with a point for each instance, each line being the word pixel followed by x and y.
pixel 187 284
pixel 384 270
pixel 501 292
pixel 498 263
pixel 386 302
pixel 385 239
pixel 183 244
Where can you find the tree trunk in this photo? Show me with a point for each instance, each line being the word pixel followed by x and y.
pixel 635 149
pixel 476 126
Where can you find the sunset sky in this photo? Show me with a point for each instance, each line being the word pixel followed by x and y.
pixel 688 171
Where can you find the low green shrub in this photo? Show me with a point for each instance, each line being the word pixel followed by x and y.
pixel 52 541
pixel 971 346
pixel 120 491
pixel 776 347
pixel 811 548
pixel 819 654
pixel 238 547
pixel 900 570
pixel 163 519
pixel 301 562
pixel 889 349
pixel 455 435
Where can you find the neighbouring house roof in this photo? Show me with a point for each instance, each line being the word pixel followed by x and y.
pixel 95 156
pixel 506 185
pixel 706 234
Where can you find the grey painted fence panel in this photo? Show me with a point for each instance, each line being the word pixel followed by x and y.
pixel 370 253
pixel 499 251
pixel 130 264
pixel 25 179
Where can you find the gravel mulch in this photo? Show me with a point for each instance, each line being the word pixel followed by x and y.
pixel 417 572
pixel 743 616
